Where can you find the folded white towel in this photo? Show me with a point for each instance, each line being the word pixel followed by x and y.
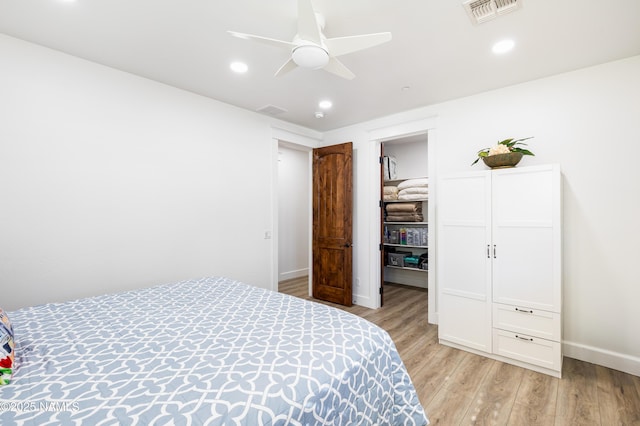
pixel 407 197
pixel 413 182
pixel 415 190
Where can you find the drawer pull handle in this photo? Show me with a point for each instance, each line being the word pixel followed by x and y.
pixel 524 311
pixel 528 339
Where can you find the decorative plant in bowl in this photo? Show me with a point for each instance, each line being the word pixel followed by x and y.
pixel 505 153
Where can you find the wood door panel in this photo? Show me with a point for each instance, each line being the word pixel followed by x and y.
pixel 330 201
pixel 332 223
pixel 330 283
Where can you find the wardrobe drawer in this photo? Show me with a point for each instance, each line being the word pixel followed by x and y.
pixel 537 323
pixel 529 349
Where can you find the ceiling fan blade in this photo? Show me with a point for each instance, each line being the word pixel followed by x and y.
pixel 264 40
pixel 308 28
pixel 288 66
pixel 342 45
pixel 336 67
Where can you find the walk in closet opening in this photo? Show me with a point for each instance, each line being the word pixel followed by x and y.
pixel 404 227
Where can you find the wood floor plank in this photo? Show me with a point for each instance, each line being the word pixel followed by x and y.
pixel 636 380
pixel 434 373
pixel 451 402
pixel 535 402
pixel 415 355
pixel 619 399
pixel 577 395
pixel 496 396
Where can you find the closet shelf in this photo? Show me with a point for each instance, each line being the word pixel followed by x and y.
pixel 404 245
pixel 406 223
pixel 405 201
pixel 407 268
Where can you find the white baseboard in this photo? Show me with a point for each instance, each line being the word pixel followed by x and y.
pixel 617 361
pixel 289 275
pixel 363 301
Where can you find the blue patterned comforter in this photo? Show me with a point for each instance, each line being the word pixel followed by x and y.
pixel 210 351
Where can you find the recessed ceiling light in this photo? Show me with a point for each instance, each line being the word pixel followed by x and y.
pixel 503 46
pixel 239 67
pixel 325 104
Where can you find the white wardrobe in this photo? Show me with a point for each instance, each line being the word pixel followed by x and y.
pixel 499 265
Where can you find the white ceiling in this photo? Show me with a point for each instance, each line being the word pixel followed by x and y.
pixel 436 50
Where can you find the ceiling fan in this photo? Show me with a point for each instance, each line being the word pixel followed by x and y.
pixel 311 49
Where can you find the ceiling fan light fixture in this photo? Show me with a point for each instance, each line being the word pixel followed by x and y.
pixel 310 56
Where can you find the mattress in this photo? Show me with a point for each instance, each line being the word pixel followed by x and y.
pixel 208 351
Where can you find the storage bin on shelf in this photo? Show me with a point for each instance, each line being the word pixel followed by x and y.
pixel 397 258
pixel 411 262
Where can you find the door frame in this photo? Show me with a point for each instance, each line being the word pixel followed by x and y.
pixel 377 137
pixel 302 142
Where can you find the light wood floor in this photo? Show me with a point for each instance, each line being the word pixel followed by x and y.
pixel 460 388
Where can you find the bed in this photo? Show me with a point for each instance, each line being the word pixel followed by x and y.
pixel 209 351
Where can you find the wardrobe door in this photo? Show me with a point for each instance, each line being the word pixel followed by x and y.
pixel 464 266
pixel 525 237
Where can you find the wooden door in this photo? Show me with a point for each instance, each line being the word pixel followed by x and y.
pixel 332 223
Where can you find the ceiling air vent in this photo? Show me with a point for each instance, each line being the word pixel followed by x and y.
pixel 484 10
pixel 271 110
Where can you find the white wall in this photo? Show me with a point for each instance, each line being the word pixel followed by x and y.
pixel 109 181
pixel 588 122
pixel 411 157
pixel 293 213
